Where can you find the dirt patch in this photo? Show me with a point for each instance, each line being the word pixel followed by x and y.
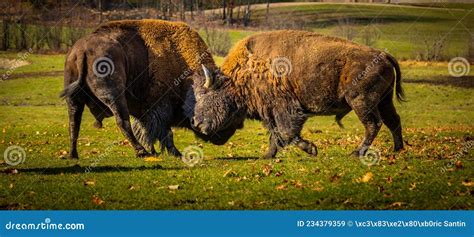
pixel 463 82
pixel 8 64
pixel 34 74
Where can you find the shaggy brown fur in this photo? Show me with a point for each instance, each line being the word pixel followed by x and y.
pixel 152 60
pixel 329 76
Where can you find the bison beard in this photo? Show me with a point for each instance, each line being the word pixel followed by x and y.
pixel 323 79
pixel 147 60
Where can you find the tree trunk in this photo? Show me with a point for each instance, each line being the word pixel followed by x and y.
pixel 191 9
pixel 238 10
pixel 224 5
pixel 22 41
pixel 247 14
pixel 267 12
pixel 181 10
pixel 100 10
pixel 231 12
pixel 6 28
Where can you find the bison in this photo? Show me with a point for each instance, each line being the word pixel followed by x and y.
pixel 137 68
pixel 282 77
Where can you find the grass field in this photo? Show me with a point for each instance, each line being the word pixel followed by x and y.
pixel 438 126
pixel 403 30
pixel 435 171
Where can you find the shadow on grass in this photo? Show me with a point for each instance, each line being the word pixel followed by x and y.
pixel 77 169
pixel 238 158
pixel 462 82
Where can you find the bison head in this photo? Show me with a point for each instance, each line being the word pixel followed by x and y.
pixel 215 111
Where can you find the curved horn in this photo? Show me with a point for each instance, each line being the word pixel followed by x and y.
pixel 209 79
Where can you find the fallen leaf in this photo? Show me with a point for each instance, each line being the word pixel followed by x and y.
pixel 367 177
pixel 229 173
pixel 412 186
pixel 97 200
pixel 335 178
pixel 152 159
pixel 298 184
pixel 267 170
pixel 11 171
pixel 281 187
pixel 173 187
pixel 391 160
pixel 397 204
pixel 89 183
pixel 389 179
pixel 131 187
pixel 277 161
pixel 467 183
pixel 458 164
pixel 278 174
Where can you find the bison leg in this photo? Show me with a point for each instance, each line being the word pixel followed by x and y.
pixel 392 120
pixel 287 125
pixel 306 146
pixel 370 118
pixel 168 143
pixel 272 149
pixel 122 117
pixel 75 109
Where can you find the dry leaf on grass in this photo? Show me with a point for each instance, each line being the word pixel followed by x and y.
pixel 173 187
pixel 267 170
pixel 152 159
pixel 281 187
pixel 97 200
pixel 397 204
pixel 89 183
pixel 467 183
pixel 366 178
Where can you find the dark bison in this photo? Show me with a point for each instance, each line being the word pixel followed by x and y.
pixel 137 68
pixel 282 77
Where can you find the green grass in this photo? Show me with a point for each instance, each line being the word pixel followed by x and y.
pixel 402 29
pixel 438 120
pixel 39 63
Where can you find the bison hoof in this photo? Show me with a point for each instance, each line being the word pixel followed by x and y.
pixel 97 124
pixel 313 151
pixel 357 154
pixel 142 153
pixel 269 155
pixel 73 155
pixel 175 153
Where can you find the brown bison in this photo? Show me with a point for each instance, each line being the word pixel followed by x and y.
pixel 282 77
pixel 137 68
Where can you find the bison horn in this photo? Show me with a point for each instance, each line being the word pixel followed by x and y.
pixel 209 79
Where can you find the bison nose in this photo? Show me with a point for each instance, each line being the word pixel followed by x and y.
pixel 195 123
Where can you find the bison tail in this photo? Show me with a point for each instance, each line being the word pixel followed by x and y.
pixel 398 79
pixel 74 87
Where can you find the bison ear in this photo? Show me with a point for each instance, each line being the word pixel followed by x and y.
pixel 209 79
